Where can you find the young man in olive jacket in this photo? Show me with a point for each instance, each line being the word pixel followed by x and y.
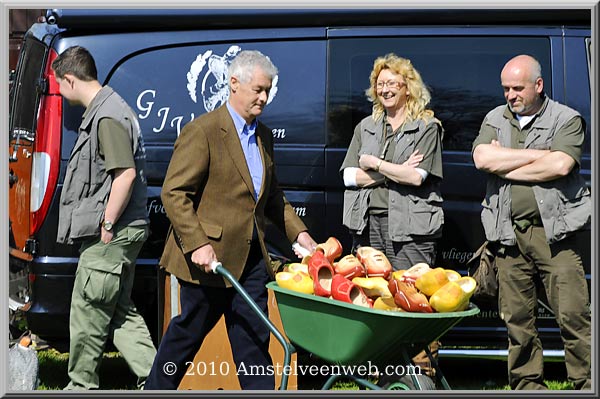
pixel 103 208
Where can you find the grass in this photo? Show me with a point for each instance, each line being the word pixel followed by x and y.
pixel 461 374
pixel 491 374
pixel 114 372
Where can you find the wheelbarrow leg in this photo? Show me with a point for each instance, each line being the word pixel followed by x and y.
pixel 438 371
pixel 288 348
pixel 407 360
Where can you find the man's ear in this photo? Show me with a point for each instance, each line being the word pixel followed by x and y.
pixel 539 85
pixel 234 83
pixel 70 79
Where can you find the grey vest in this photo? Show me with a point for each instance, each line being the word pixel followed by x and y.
pixel 87 184
pixel 564 203
pixel 412 211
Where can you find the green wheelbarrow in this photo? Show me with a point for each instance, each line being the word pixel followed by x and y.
pixel 346 334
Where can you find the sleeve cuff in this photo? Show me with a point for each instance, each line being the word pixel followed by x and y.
pixel 422 172
pixel 350 177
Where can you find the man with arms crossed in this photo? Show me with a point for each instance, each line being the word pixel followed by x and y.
pixel 536 202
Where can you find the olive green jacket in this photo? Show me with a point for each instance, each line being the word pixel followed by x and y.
pixel 412 211
pixel 564 204
pixel 87 184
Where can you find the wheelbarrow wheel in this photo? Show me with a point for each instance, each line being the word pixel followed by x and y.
pixel 406 382
pixel 397 386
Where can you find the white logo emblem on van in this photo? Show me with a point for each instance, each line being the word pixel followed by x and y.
pixel 214 87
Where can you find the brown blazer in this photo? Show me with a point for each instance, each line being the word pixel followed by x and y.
pixel 208 197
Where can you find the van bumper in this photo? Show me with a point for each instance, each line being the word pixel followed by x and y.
pixel 18 286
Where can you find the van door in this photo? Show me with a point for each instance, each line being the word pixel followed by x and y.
pixel 24 105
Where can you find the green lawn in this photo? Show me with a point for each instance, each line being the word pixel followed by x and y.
pixel 462 374
pixel 114 373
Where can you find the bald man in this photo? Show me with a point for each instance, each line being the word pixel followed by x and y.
pixel 536 203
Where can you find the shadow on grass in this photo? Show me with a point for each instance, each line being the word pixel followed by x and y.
pixel 114 372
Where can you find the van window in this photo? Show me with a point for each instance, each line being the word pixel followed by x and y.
pixel 23 93
pixel 169 87
pixel 462 74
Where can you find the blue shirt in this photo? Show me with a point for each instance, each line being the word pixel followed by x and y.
pixel 247 137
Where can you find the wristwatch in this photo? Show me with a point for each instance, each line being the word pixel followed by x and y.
pixel 107 225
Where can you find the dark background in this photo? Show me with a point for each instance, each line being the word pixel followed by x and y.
pixel 19 20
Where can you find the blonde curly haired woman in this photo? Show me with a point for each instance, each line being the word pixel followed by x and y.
pixel 393 167
pixel 393 171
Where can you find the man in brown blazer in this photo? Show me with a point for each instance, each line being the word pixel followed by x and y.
pixel 219 190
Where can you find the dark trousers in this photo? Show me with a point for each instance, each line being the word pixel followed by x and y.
pixel 201 308
pixel 561 271
pixel 402 255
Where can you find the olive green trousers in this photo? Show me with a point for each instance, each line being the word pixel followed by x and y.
pixel 560 269
pixel 101 308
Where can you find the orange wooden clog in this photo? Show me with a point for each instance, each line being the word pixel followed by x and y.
pixel 345 290
pixel 375 262
pixel 408 298
pixel 410 276
pixel 332 249
pixel 321 271
pixel 349 266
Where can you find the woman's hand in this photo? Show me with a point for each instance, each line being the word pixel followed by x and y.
pixel 414 159
pixel 367 162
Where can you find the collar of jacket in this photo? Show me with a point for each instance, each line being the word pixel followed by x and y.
pixel 102 95
pixel 540 122
pixel 373 126
pixel 232 143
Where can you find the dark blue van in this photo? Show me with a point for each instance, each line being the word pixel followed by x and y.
pixel 170 66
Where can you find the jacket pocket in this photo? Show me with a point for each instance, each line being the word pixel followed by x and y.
pixel 575 209
pixel 426 216
pixel 490 218
pixel 137 234
pixel 355 209
pixel 124 235
pixel 100 288
pixel 212 230
pixel 86 218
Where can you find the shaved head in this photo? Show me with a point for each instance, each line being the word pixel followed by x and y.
pixel 525 66
pixel 523 85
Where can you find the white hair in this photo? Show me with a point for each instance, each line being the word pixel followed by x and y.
pixel 243 65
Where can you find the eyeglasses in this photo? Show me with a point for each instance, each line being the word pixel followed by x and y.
pixel 392 84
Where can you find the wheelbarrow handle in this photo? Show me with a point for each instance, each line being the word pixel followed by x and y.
pixel 218 268
pixel 301 250
pixel 213 266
